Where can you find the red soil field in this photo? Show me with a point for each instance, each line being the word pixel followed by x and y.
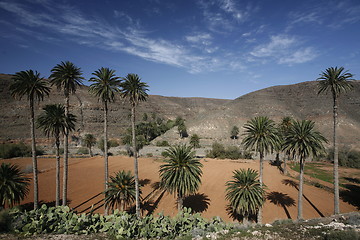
pixel 86 179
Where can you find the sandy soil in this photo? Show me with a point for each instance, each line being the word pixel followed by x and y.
pixel 86 177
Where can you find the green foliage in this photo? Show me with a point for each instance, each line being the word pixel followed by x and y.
pixel 234 132
pixel 245 193
pixel 232 152
pixel 195 141
pixel 101 145
pixel 121 190
pixel 120 225
pixel 162 143
pixel 113 143
pixel 181 173
pixel 83 150
pixel 342 235
pixel 11 150
pixel 14 185
pixel 5 220
pixel 347 157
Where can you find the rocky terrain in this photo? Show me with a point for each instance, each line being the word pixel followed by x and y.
pixel 211 119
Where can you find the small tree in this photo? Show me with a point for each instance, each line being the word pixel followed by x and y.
pixel 181 173
pixel 89 142
pixel 14 185
pixel 245 193
pixel 195 141
pixel 121 190
pixel 182 130
pixel 234 132
pixel 101 145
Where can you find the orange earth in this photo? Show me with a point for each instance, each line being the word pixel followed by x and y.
pixel 86 180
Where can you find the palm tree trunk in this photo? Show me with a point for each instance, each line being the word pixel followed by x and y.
pixel 336 161
pixel 57 194
pixel 259 216
pixel 136 167
pixel 106 164
pixel 33 154
pixel 284 168
pixel 301 181
pixel 180 202
pixel 90 152
pixel 66 150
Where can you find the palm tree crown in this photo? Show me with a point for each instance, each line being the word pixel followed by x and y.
pixel 335 80
pixel 29 83
pixel 303 141
pixel 133 89
pixel 121 190
pixel 105 85
pixel 245 193
pixel 260 135
pixel 14 185
pixel 181 173
pixel 66 76
pixel 54 122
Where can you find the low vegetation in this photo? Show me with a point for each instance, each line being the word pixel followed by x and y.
pixel 347 157
pixel 11 150
pixel 232 152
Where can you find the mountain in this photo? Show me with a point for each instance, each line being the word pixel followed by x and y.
pixel 211 119
pixel 14 119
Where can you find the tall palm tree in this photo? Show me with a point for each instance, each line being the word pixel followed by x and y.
pixel 260 135
pixel 245 193
pixel 335 80
pixel 54 122
pixel 105 85
pixel 181 173
pixel 30 83
pixel 14 185
pixel 303 141
pixel 283 129
pixel 89 142
pixel 66 76
pixel 121 190
pixel 135 91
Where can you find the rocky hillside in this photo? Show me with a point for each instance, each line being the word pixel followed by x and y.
pixel 211 119
pixel 14 119
pixel 299 101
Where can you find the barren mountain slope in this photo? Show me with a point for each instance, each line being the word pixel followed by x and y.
pixel 14 114
pixel 300 101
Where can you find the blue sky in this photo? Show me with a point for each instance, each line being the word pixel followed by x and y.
pixel 185 48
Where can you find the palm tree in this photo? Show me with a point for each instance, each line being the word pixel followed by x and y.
pixel 66 76
pixel 105 85
pixel 181 173
pixel 89 142
pixel 54 122
pixel 303 141
pixel 121 190
pixel 245 193
pixel 30 83
pixel 335 80
pixel 260 135
pixel 135 91
pixel 283 129
pixel 14 185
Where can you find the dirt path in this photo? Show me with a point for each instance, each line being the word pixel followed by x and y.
pixel 86 177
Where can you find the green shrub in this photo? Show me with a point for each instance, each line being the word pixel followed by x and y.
pixel 232 152
pixel 5 220
pixel 162 143
pixel 149 155
pixel 60 220
pixel 113 143
pixel 342 235
pixel 347 158
pixel 83 150
pixel 11 150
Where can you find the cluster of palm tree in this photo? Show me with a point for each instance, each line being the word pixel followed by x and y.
pixel 57 121
pixel 181 172
pixel 297 139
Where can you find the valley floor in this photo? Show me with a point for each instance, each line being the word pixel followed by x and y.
pixel 86 177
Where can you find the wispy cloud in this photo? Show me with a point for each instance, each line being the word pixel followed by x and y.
pixel 99 33
pixel 285 49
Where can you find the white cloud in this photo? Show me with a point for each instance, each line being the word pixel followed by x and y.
pixel 285 49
